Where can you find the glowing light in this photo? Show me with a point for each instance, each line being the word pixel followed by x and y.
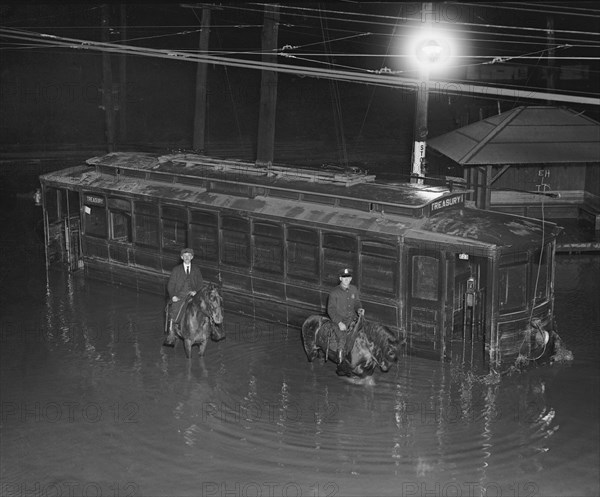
pixel 431 49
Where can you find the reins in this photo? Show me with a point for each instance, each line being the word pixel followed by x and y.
pixel 186 303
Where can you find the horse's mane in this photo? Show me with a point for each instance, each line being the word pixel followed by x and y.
pixel 381 335
pixel 207 288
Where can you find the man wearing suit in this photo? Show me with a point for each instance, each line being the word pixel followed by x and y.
pixel 185 280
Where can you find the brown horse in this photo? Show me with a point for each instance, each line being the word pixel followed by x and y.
pixel 386 345
pixel 322 337
pixel 202 316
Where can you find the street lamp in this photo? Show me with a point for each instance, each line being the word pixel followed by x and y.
pixel 431 50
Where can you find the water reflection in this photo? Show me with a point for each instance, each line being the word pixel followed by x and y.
pixel 83 367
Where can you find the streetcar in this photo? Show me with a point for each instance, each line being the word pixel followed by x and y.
pixel 452 281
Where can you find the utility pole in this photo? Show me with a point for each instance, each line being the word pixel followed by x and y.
pixel 265 149
pixel 550 70
pixel 422 104
pixel 107 90
pixel 123 78
pixel 201 105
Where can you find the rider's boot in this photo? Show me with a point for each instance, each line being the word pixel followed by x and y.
pixel 341 348
pixel 170 337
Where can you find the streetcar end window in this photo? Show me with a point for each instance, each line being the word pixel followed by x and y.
pixel 512 288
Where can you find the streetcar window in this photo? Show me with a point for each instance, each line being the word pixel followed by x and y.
pixel 268 247
pixel 204 234
pixel 425 279
pixel 120 219
pixel 512 285
pixel 540 274
pixel 174 228
pixel 51 203
pixel 235 249
pixel 73 202
pixel 94 216
pixel 303 254
pixel 120 226
pixel 379 268
pixel 146 224
pixel 339 251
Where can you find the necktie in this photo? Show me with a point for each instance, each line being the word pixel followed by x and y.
pixel 187 270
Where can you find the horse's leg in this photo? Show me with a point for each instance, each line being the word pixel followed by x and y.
pixel 187 343
pixel 201 347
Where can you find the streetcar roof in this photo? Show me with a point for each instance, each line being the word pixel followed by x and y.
pixel 415 220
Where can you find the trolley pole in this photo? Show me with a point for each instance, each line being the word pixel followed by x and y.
pixel 265 147
pixel 201 106
pixel 107 82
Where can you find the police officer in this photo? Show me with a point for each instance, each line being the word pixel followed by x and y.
pixel 344 304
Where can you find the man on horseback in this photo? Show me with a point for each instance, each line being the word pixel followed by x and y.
pixel 343 306
pixel 185 280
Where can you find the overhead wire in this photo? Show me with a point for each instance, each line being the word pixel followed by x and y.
pixel 363 15
pixel 305 56
pixel 412 19
pixel 519 6
pixel 395 18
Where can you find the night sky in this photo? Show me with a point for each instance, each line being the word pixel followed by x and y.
pixel 52 87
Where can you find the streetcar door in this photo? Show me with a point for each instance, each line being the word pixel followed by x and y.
pixel 425 312
pixel 62 227
pixel 468 309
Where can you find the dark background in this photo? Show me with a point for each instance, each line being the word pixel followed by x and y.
pixel 51 97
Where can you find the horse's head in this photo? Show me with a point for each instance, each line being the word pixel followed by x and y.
pixel 360 360
pixel 212 303
pixel 386 345
pixel 388 355
pixel 212 306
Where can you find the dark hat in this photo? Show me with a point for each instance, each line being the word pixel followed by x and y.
pixel 187 250
pixel 345 272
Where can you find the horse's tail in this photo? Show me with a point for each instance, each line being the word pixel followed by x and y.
pixel 310 328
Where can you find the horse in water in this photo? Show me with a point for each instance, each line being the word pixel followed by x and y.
pixel 386 344
pixel 352 352
pixel 202 316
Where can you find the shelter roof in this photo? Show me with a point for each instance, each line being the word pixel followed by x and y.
pixel 524 135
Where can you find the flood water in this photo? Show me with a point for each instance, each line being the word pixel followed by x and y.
pixel 92 404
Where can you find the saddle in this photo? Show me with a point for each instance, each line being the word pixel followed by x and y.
pixel 177 318
pixel 345 339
